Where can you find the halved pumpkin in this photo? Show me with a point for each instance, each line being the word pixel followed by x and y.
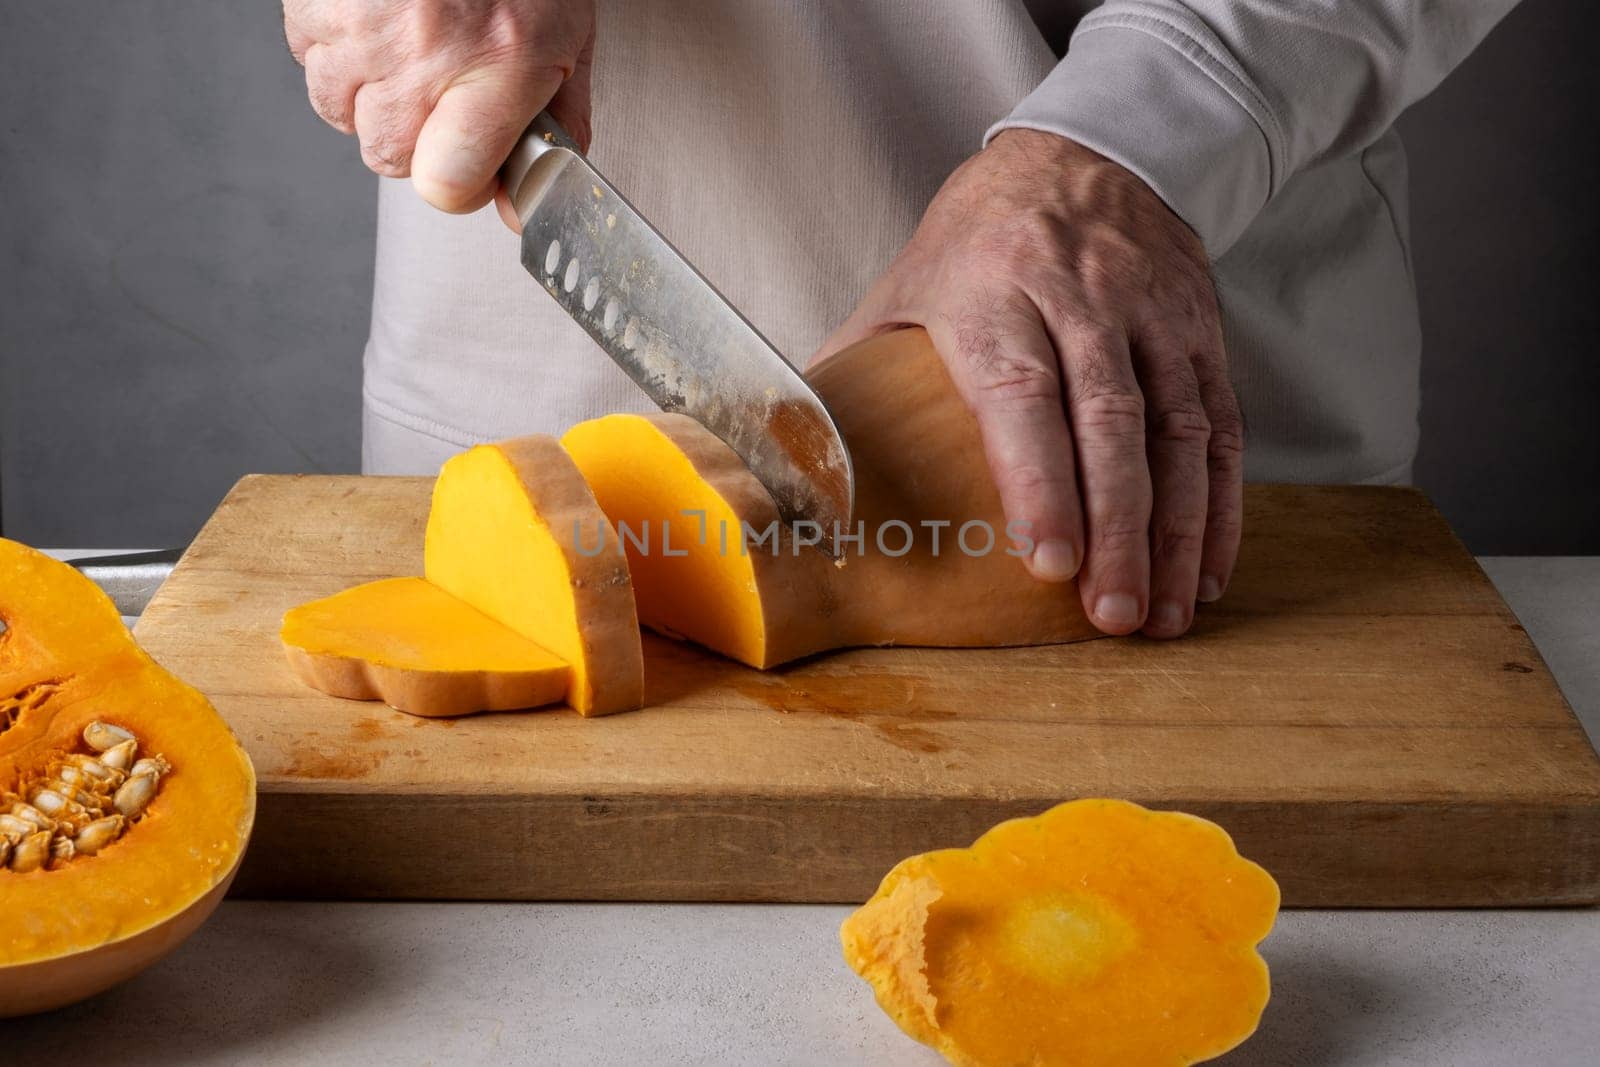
pixel 125 801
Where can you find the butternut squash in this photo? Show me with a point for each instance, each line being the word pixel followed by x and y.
pixel 410 644
pixel 125 802
pixel 504 536
pixel 935 565
pixel 1096 933
pixel 652 518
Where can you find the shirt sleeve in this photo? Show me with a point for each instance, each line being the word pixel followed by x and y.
pixel 1217 103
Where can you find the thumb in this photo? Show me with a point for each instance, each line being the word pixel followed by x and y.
pixel 472 130
pixel 573 104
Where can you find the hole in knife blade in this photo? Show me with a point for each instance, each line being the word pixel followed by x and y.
pixel 570 282
pixel 552 258
pixel 591 293
pixel 630 333
pixel 609 320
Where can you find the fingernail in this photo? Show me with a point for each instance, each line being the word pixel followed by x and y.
pixel 1117 609
pixel 1168 617
pixel 1210 589
pixel 1055 561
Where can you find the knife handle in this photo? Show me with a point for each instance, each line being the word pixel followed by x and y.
pixel 521 174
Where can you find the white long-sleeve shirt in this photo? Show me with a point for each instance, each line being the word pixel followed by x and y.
pixel 789 147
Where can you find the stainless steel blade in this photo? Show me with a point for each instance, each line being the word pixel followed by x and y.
pixel 673 333
pixel 131 579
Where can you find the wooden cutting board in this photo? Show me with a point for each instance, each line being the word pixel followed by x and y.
pixel 1362 712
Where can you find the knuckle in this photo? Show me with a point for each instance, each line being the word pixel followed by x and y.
pixel 388 146
pixel 1120 533
pixel 1000 374
pixel 331 107
pixel 387 122
pixel 328 90
pixel 1225 525
pixel 1114 413
pixel 386 158
pixel 1034 479
pixel 1177 537
pixel 1226 443
pixel 1182 426
pixel 1006 381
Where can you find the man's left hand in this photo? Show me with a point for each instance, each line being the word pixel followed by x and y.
pixel 1077 317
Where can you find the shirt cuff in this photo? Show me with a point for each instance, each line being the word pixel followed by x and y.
pixel 1157 93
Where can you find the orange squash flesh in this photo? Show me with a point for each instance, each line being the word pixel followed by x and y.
pixel 682 502
pixel 1096 933
pixel 507 534
pixel 420 650
pixel 912 579
pixel 76 926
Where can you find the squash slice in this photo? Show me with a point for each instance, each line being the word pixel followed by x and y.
pixel 420 650
pixel 1096 933
pixel 515 532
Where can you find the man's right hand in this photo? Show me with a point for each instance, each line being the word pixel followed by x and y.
pixel 440 91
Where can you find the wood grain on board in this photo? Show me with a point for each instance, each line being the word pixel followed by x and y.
pixel 1361 711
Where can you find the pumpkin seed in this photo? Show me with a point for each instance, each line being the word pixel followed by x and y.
pixel 31 854
pixel 62 849
pixel 102 736
pixel 13 829
pixel 155 766
pixel 29 813
pixel 119 756
pixel 135 795
pixel 5 851
pixel 49 801
pixel 94 768
pixel 98 834
pixel 88 800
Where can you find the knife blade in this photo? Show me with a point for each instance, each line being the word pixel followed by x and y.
pixel 670 330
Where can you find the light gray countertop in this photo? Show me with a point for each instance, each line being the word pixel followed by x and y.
pixel 576 984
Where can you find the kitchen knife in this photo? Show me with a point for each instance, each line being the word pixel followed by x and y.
pixel 673 333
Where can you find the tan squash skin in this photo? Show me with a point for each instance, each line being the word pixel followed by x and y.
pixel 74 928
pixel 29 988
pixel 918 456
pixel 426 694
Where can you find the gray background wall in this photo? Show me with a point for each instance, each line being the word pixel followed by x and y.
pixel 185 255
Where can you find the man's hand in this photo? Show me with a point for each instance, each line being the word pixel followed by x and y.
pixel 1077 317
pixel 441 90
